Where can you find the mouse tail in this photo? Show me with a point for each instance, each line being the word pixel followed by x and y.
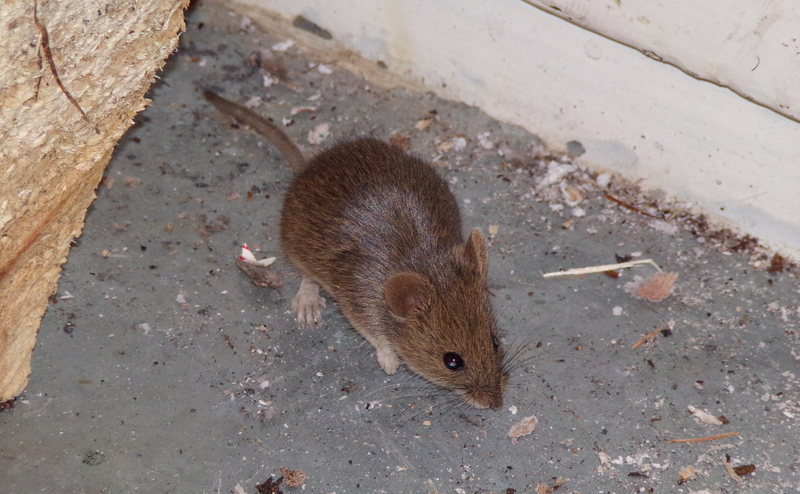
pixel 285 145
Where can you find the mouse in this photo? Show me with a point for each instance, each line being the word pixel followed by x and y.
pixel 379 230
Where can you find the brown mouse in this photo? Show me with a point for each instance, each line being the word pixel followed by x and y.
pixel 380 231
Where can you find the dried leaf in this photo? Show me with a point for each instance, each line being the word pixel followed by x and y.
pixel 656 288
pixel 293 478
pixel 744 469
pixel 522 428
pixel 401 140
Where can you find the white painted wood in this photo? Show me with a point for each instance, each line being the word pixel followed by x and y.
pixel 643 119
pixel 750 46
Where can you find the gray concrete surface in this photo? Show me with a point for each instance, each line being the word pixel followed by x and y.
pixel 133 390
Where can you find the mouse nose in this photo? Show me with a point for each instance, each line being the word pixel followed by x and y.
pixel 486 399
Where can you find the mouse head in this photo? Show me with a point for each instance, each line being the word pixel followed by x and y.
pixel 445 329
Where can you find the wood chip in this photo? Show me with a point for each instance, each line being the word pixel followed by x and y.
pixel 572 195
pixel 522 428
pixel 687 473
pixel 319 134
pixel 132 182
pixel 704 417
pixel 423 124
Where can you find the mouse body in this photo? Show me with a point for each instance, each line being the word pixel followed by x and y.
pixel 380 231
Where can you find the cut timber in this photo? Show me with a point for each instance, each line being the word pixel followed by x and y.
pixel 51 156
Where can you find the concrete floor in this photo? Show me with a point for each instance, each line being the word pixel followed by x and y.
pixel 160 368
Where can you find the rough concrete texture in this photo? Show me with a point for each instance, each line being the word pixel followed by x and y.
pixel 161 368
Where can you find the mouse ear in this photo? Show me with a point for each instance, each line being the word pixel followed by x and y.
pixel 476 253
pixel 405 293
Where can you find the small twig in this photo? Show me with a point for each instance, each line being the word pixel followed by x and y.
pixel 49 56
pixel 640 342
pixel 628 206
pixel 601 269
pixel 704 439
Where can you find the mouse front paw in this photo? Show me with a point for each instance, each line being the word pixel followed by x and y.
pixel 388 360
pixel 308 304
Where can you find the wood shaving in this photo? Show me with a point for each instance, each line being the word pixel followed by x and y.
pixel 319 134
pixel 444 146
pixel 132 182
pixel 656 288
pixel 731 473
pixel 687 473
pixel 423 124
pixel 522 428
pixel 300 109
pixel 601 269
pixel 543 489
pixel 704 417
pixel 293 478
pixel 572 195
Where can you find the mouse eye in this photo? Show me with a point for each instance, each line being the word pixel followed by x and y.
pixel 495 343
pixel 453 361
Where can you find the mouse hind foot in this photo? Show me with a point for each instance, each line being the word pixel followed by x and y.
pixel 307 303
